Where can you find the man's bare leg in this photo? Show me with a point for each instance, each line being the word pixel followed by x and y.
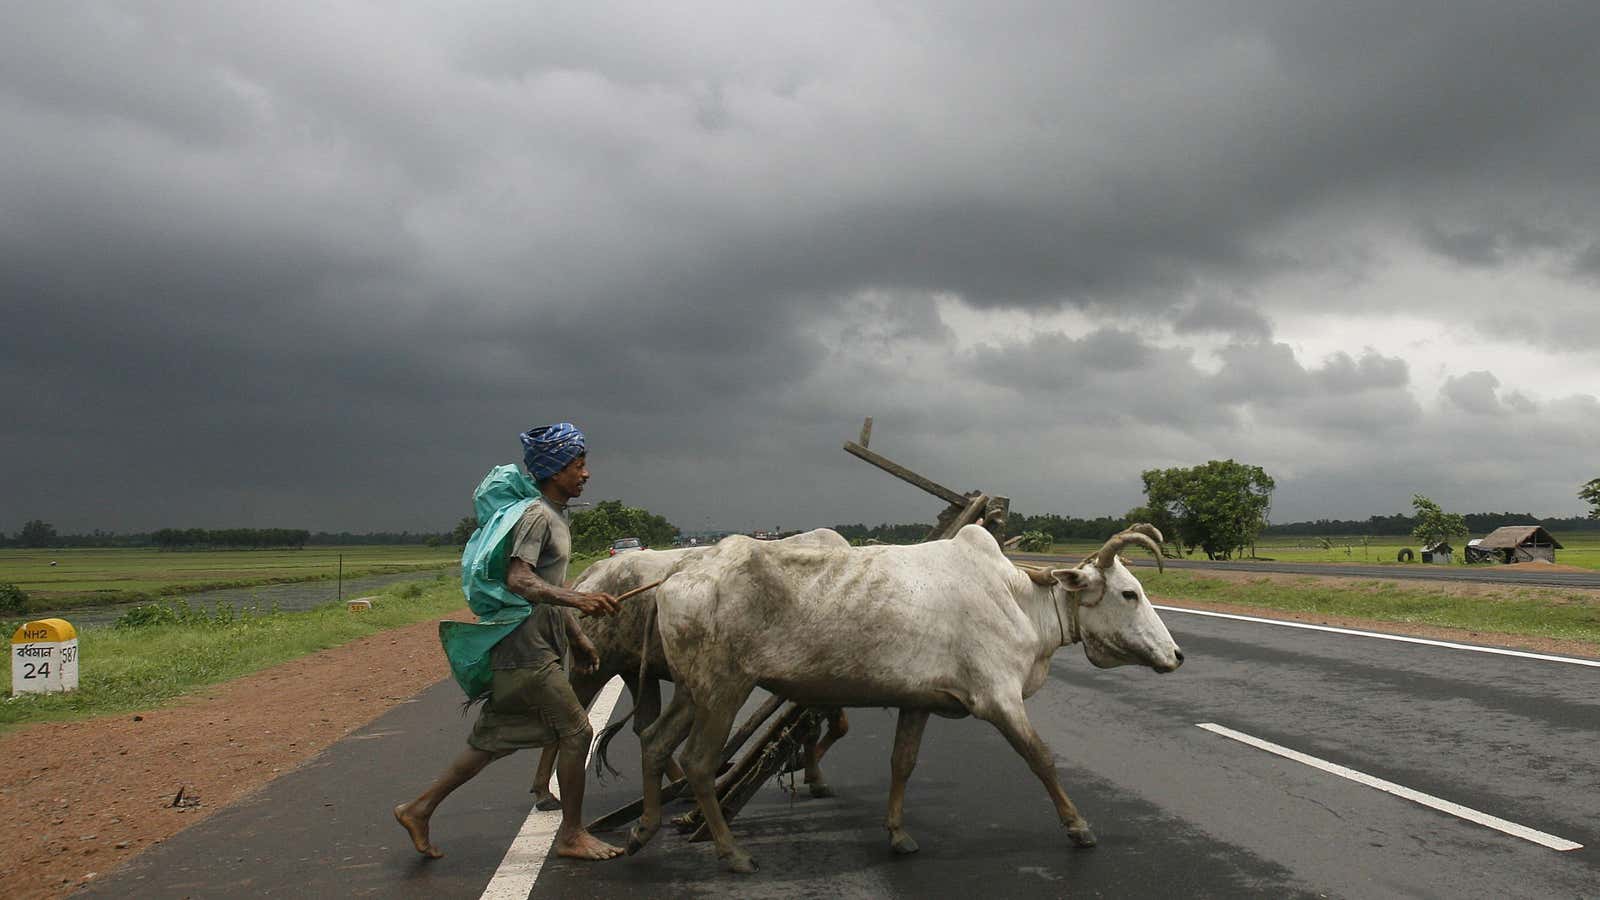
pixel 543 799
pixel 572 839
pixel 414 816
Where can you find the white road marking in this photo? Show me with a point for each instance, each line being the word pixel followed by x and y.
pixel 519 869
pixel 1428 800
pixel 1593 663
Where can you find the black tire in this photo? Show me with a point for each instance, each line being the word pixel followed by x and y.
pixel 1405 555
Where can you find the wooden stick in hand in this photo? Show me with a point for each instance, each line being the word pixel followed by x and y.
pixel 638 590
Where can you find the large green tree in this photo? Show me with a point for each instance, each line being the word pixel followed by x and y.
pixel 36 533
pixel 594 529
pixel 1434 524
pixel 1219 507
pixel 1590 494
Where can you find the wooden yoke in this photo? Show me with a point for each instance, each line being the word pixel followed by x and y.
pixel 963 509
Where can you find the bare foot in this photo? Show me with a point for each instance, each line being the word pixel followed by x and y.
pixel 580 844
pixel 418 829
pixel 545 801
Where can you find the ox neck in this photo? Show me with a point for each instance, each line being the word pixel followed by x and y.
pixel 1054 612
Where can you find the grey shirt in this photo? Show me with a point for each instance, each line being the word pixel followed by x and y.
pixel 543 540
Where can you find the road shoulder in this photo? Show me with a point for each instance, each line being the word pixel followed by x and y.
pixel 84 797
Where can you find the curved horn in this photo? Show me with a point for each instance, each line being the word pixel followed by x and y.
pixel 1145 528
pixel 1036 574
pixel 1108 553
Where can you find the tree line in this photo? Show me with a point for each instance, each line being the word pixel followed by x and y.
pixel 885 533
pixel 230 538
pixel 1220 507
pixel 595 529
pixel 1399 524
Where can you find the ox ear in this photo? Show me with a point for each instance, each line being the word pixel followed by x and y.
pixel 1074 579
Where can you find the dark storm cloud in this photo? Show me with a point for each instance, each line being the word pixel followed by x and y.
pixel 1215 316
pixel 1475 393
pixel 317 264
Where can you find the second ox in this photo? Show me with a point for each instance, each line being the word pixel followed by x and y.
pixel 628 647
pixel 950 627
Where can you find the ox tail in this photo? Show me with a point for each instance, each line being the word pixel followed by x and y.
pixel 602 762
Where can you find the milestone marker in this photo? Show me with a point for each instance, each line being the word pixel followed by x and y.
pixel 44 657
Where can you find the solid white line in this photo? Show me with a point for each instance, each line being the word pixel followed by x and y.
pixel 523 860
pixel 1428 800
pixel 1593 663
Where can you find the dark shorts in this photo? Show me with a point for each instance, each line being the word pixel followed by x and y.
pixel 528 708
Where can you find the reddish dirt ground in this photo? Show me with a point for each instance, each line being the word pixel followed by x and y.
pixel 82 797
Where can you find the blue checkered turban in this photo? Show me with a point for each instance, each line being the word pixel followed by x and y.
pixel 547 449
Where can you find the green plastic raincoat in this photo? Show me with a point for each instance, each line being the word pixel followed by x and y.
pixel 499 502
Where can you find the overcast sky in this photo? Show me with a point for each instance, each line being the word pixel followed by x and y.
pixel 316 264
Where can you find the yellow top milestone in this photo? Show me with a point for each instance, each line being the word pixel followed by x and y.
pixel 44 630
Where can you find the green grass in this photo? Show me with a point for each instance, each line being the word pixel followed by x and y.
pixel 1579 548
pixel 129 669
pixel 1542 612
pixel 85 577
pixel 126 669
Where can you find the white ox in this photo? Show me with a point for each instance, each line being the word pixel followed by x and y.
pixel 628 649
pixel 949 627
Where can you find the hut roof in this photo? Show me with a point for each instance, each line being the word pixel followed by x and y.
pixel 1516 535
pixel 1438 547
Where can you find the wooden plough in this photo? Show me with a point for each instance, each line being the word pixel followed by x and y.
pixel 794 733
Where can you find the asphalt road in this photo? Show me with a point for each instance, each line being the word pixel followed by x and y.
pixel 1529 575
pixel 1180 810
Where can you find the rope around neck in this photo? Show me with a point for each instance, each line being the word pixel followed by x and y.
pixel 1072 598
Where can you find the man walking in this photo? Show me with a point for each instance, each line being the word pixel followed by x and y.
pixel 531 703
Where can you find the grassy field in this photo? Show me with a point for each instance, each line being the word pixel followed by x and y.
pixel 1541 612
pixel 123 669
pixel 1580 548
pixel 89 576
pixel 127 669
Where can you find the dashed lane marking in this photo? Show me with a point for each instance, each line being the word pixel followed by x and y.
pixel 1592 663
pixel 1389 787
pixel 519 869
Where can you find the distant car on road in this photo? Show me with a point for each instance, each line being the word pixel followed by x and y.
pixel 624 545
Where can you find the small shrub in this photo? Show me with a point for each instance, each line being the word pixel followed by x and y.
pixel 1034 542
pixel 13 600
pixel 179 612
pixel 146 615
pixel 409 591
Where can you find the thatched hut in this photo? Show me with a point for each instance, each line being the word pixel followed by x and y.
pixel 1520 543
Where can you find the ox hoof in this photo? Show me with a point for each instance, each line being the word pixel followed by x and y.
pixel 686 822
pixel 820 789
pixel 740 863
pixel 902 844
pixel 637 838
pixel 1083 837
